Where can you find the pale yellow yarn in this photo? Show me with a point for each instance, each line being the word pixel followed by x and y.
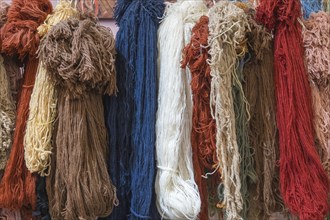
pixel 39 130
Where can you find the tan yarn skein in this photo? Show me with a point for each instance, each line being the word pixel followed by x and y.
pixel 227 26
pixel 79 57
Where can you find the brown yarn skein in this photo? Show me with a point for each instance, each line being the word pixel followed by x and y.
pixel 259 89
pixel 80 55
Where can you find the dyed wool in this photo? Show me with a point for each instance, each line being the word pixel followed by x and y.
pixel 227 26
pixel 37 140
pixel 241 107
pixel 119 109
pixel 195 56
pixel 133 111
pixel 7 115
pixel 176 190
pixel 17 188
pixel 82 71
pixel 317 54
pixel 259 89
pixel 302 177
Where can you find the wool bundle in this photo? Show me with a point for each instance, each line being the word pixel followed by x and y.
pixel 119 109
pixel 259 89
pixel 303 182
pixel 133 110
pixel 228 25
pixel 205 161
pixel 18 36
pixel 176 190
pixel 37 140
pixel 317 53
pixel 79 58
pixel 7 115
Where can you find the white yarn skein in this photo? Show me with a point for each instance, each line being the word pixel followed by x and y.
pixel 227 25
pixel 177 193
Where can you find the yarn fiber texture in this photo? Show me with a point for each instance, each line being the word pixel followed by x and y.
pixel 131 115
pixel 259 89
pixel 299 161
pixel 79 56
pixel 19 37
pixel 205 160
pixel 38 135
pixel 317 53
pixel 228 25
pixel 177 193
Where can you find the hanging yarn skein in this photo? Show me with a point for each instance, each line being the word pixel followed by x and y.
pixel 259 89
pixel 303 182
pixel 119 109
pixel 228 25
pixel 131 115
pixel 248 174
pixel 19 37
pixel 317 53
pixel 39 129
pixel 205 160
pixel 79 57
pixel 176 190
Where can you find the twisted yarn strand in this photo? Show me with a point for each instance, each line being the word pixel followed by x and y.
pixel 227 26
pixel 176 190
pixel 37 140
pixel 82 68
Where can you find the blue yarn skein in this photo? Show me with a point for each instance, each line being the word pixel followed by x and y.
pixel 131 115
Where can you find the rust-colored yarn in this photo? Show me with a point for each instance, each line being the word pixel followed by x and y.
pixel 79 55
pixel 203 134
pixel 17 187
pixel 18 37
pixel 303 182
pixel 259 89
